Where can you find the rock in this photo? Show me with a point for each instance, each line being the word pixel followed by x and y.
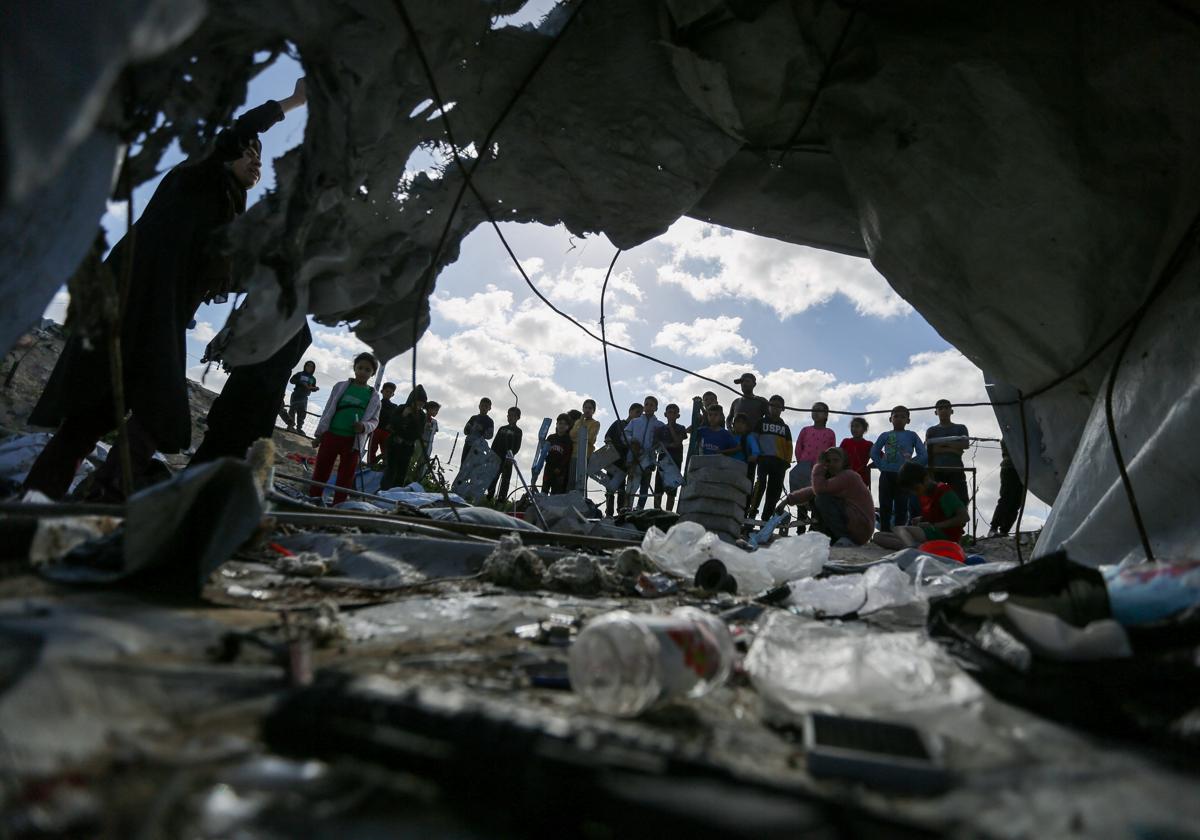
pixel 578 574
pixel 512 564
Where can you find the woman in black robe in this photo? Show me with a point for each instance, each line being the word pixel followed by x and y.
pixel 174 268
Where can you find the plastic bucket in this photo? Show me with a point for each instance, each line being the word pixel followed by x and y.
pixel 945 548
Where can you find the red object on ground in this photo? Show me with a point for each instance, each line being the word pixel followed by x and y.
pixel 945 548
pixel 281 549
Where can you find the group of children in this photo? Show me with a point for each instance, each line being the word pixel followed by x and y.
pixel 922 486
pixel 358 419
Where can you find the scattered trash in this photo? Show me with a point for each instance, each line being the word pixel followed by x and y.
pixel 683 549
pixel 179 530
pixel 623 664
pixel 764 534
pixel 712 576
pixel 305 564
pixel 804 664
pixel 557 630
pixel 831 597
pixel 1151 592
pixel 1048 635
pixel 655 585
pixel 55 537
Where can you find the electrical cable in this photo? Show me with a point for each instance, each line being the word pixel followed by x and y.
pixel 604 336
pixel 427 280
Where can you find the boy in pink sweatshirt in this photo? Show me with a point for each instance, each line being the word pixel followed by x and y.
pixel 843 503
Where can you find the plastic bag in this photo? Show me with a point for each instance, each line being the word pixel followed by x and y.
pixel 683 549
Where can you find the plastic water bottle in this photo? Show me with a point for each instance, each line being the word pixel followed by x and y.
pixel 624 663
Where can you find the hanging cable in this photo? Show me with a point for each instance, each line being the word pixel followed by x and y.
pixel 604 336
pixel 428 275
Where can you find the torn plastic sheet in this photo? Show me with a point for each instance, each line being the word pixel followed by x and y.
pixel 883 585
pixel 181 530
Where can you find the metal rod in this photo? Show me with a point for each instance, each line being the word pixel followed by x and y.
pixel 528 492
pixel 349 491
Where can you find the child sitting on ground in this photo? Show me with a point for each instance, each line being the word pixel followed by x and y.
pixel 845 510
pixel 351 414
pixel 943 513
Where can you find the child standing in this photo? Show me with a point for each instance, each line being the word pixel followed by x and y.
pixel 946 443
pixel 478 427
pixel 408 422
pixel 379 437
pixel 642 435
pixel 775 441
pixel 305 383
pixel 747 451
pixel 891 452
pixel 421 460
pixel 615 436
pixel 508 440
pixel 858 449
pixel 589 428
pixel 558 457
pixel 671 435
pixel 810 443
pixel 715 439
pixel 350 415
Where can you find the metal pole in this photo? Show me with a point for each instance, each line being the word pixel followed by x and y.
pixel 974 506
pixel 349 491
pixel 528 492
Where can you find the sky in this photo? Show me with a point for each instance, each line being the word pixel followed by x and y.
pixel 811 324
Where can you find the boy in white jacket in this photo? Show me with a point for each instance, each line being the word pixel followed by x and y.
pixel 350 416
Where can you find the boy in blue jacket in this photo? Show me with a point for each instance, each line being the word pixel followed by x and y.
pixel 892 451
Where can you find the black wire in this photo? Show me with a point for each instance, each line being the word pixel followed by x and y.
pixel 604 335
pixel 1025 483
pixel 429 273
pixel 821 82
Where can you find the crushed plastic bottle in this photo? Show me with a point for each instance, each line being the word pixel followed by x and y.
pixel 623 663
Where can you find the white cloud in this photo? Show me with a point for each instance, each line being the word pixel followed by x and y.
pixel 203 332
pixel 706 338
pixel 583 284
pixel 480 308
pixel 710 263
